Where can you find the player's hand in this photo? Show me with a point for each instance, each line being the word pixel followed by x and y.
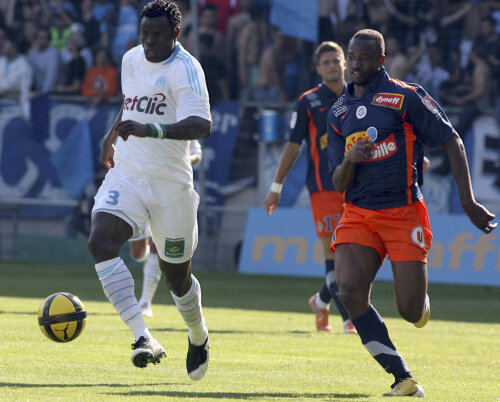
pixel 107 153
pixel 271 201
pixel 362 150
pixel 480 216
pixel 127 128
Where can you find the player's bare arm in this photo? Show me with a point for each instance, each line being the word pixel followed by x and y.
pixel 107 151
pixel 191 128
pixel 288 158
pixel 343 176
pixel 476 212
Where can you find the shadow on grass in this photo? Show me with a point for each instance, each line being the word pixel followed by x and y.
pixel 247 292
pixel 110 385
pixel 240 395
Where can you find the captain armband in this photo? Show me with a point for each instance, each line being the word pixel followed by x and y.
pixel 158 130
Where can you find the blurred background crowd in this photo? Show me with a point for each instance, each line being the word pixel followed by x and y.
pixel 60 62
pixel 74 47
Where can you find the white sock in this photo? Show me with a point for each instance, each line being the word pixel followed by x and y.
pixel 321 304
pixel 152 275
pixel 118 286
pixel 189 306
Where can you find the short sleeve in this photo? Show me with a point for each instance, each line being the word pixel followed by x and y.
pixel 299 122
pixel 428 119
pixel 336 143
pixel 190 89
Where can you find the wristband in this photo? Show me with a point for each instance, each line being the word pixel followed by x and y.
pixel 157 130
pixel 276 187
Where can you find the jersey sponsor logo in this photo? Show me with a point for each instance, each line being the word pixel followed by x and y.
pixel 145 104
pixel 338 111
pixel 431 105
pixel 361 112
pixel 417 236
pixel 354 138
pixel 323 141
pixel 174 248
pixel 385 149
pixel 394 101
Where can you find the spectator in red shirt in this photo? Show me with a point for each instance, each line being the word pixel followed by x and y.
pixel 100 81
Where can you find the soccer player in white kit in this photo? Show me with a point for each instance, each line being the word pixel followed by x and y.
pixel 150 179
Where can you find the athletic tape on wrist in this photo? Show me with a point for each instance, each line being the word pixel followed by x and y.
pixel 276 187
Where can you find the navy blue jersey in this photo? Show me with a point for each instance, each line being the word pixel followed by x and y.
pixel 308 123
pixel 401 119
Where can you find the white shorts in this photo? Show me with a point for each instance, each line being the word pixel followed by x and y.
pixel 169 207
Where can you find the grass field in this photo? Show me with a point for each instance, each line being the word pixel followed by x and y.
pixel 262 337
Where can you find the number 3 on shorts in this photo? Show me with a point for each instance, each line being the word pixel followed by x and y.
pixel 113 197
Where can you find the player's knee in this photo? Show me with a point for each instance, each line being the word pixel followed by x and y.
pixel 102 249
pixel 411 311
pixel 351 297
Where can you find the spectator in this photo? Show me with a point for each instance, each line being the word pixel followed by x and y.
pixel 26 38
pixel 61 30
pixel 473 94
pixel 74 70
pixel 271 82
pixel 251 43
pixel 44 60
pixel 215 70
pixel 78 38
pixel 92 27
pixel 236 24
pixel 100 81
pixel 225 9
pixel 207 24
pixel 16 74
pixel 121 26
pixel 187 20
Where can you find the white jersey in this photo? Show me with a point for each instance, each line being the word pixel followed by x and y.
pixel 164 92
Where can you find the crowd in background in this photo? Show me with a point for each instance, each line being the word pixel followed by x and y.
pixel 74 47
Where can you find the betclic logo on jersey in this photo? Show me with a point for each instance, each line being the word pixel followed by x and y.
pixel 393 101
pixel 146 104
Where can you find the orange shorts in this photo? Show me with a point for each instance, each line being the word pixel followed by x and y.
pixel 402 233
pixel 327 208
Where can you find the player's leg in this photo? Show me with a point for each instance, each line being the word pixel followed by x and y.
pixel 139 249
pixel 174 230
pixel 332 284
pixel 356 267
pixel 107 235
pixel 410 286
pixel 151 278
pixel 186 292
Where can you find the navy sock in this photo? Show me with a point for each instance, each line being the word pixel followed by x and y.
pixel 334 289
pixel 375 338
pixel 324 294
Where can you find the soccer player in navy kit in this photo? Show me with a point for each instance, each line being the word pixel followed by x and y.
pixel 376 136
pixel 308 123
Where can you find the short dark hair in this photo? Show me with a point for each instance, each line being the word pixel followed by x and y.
pixel 371 34
pixel 163 8
pixel 328 46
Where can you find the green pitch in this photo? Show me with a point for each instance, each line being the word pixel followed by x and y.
pixel 263 343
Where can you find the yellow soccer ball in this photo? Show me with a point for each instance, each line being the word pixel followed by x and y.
pixel 62 317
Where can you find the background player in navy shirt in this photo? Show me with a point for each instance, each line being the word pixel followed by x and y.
pixel 376 136
pixel 308 123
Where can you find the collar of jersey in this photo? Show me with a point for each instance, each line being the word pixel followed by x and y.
pixel 173 55
pixel 373 86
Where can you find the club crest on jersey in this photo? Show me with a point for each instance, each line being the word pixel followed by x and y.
pixel 393 101
pixel 417 235
pixel 161 82
pixel 146 104
pixel 361 112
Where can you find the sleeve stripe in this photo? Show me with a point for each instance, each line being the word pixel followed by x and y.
pixel 192 74
pixel 335 128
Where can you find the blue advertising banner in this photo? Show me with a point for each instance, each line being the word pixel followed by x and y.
pixel 285 243
pixel 56 164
